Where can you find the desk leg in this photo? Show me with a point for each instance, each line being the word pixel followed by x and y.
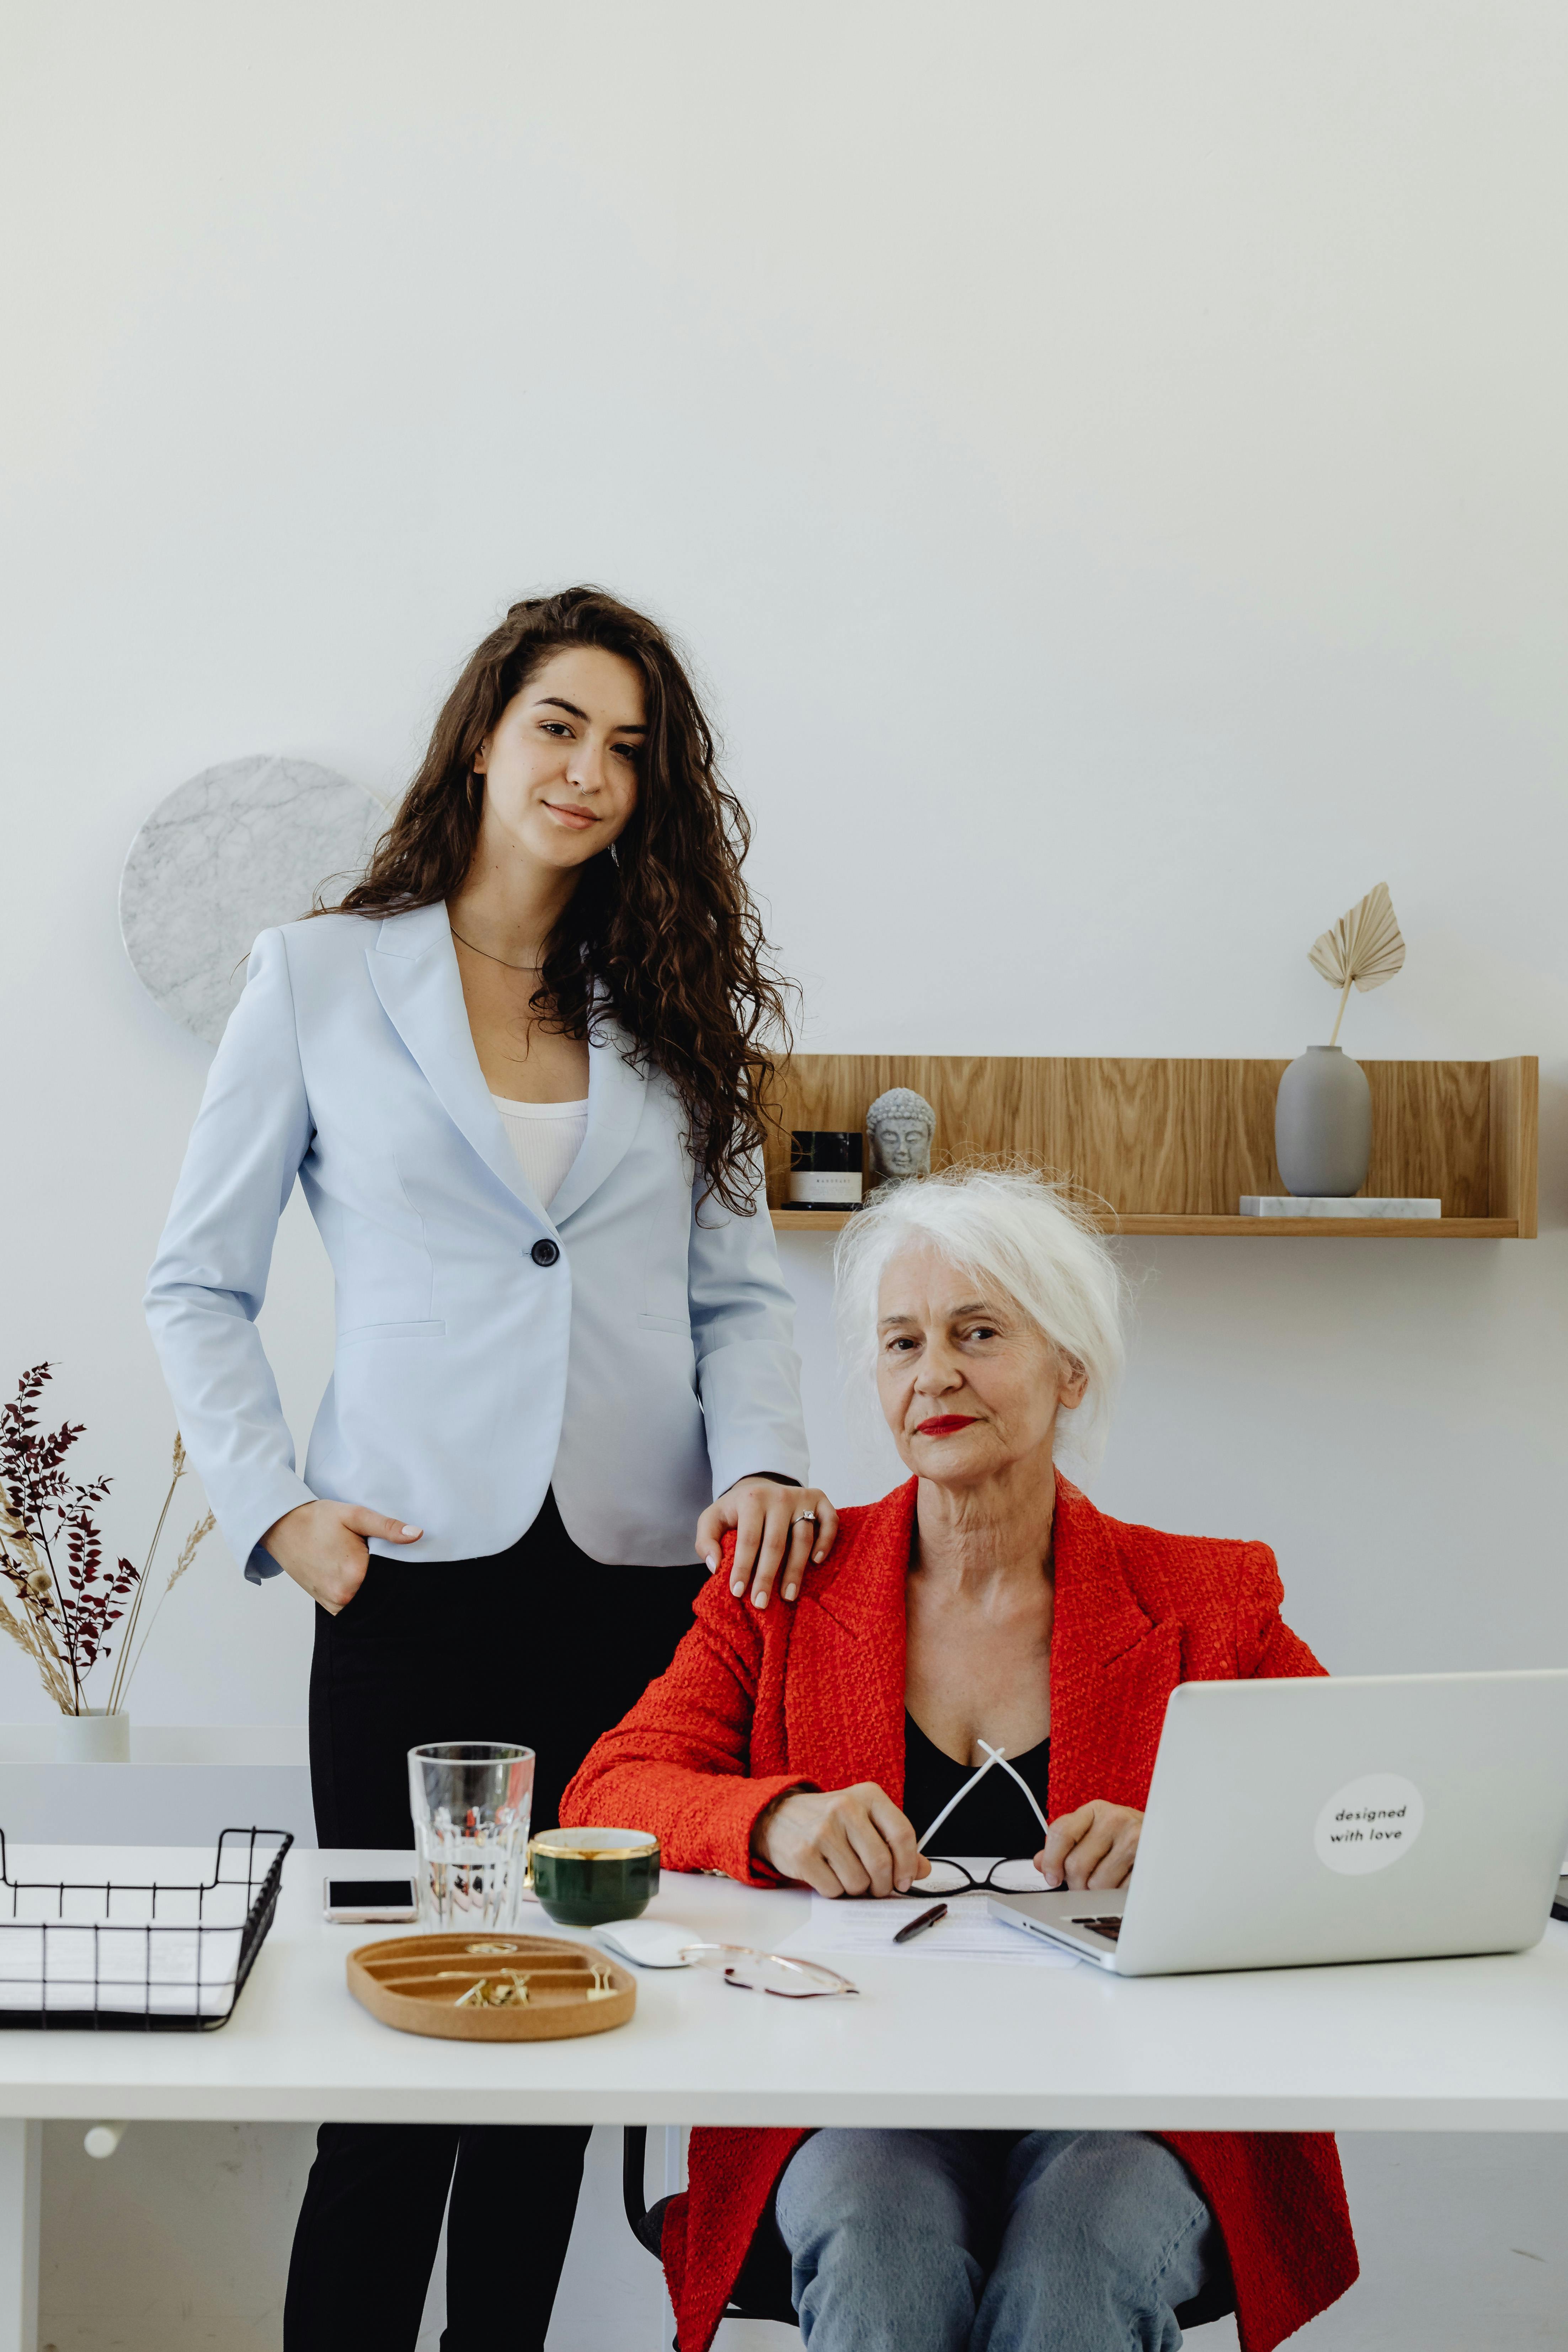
pixel 673 2172
pixel 21 2177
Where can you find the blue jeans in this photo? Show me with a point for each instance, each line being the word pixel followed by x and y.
pixel 992 2242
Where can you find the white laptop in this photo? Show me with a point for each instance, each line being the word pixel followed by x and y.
pixel 1375 1817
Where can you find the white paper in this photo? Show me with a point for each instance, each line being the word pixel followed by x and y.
pixel 139 1963
pixel 841 1924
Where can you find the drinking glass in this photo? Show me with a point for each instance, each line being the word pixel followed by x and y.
pixel 470 1801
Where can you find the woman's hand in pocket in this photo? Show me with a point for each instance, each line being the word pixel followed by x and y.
pixel 776 1528
pixel 322 1547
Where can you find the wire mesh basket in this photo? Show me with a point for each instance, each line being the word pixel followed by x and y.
pixel 154 1957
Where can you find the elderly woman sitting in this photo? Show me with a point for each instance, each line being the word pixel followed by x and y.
pixel 984 1605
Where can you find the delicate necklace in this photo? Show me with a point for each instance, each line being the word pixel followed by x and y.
pixel 495 958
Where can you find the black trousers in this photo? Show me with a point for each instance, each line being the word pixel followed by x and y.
pixel 544 1646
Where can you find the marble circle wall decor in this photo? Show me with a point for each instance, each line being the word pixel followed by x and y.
pixel 237 848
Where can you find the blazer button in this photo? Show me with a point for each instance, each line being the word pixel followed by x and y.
pixel 545 1252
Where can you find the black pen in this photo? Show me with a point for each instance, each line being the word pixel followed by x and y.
pixel 918 1927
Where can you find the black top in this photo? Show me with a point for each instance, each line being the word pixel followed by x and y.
pixel 994 1818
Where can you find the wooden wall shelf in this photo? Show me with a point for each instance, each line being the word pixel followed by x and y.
pixel 1171 1146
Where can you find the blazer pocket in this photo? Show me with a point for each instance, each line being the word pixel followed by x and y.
pixel 391 1331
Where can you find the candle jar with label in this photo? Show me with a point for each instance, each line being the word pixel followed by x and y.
pixel 826 1168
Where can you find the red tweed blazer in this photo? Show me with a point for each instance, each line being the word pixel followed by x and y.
pixel 812 1696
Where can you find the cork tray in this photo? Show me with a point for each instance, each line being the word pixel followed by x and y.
pixel 491 1988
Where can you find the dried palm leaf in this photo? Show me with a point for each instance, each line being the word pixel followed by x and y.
pixel 1362 951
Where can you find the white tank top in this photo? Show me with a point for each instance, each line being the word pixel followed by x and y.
pixel 546 1138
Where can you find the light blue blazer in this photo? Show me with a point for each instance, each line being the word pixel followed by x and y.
pixel 630 1346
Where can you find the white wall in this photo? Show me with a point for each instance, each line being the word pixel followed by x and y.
pixel 1108 464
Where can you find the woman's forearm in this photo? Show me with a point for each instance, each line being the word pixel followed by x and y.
pixel 743 1334
pixel 209 1277
pixel 675 1764
pixel 703 1821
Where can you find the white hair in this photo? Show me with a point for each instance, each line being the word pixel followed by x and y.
pixel 1019 1235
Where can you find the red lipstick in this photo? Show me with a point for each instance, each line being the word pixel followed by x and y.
pixel 945 1423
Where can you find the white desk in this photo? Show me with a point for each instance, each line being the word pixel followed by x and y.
pixel 1448 2045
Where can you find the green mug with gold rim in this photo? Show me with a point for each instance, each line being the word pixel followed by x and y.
pixel 584 1877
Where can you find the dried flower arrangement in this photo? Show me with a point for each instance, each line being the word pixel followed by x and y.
pixel 1363 949
pixel 64 1600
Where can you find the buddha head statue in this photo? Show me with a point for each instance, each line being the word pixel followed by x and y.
pixel 902 1125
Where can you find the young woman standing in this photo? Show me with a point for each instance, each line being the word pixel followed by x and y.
pixel 518 1072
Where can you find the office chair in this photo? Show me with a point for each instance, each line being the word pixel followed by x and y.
pixel 762 2291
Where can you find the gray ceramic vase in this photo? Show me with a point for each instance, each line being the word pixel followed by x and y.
pixel 1323 1124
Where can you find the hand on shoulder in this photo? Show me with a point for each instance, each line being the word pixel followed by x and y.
pixel 775 1528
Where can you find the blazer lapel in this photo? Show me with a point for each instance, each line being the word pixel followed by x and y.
pixel 843 1699
pixel 615 1092
pixel 415 973
pixel 1113 1668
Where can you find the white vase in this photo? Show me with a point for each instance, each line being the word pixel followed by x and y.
pixel 1323 1124
pixel 94 1737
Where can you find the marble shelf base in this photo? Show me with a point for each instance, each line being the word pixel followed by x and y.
pixel 1286 1205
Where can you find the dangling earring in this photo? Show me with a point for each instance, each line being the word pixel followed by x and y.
pixel 616 853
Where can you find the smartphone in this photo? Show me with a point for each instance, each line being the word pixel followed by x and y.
pixel 368 1902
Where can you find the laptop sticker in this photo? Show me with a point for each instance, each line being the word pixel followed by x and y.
pixel 1369 1824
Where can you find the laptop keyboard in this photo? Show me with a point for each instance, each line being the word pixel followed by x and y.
pixel 1110 1929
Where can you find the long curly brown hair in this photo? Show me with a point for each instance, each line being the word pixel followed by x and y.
pixel 660 934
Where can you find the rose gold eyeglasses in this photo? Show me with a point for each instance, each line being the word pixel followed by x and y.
pixel 753 1971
